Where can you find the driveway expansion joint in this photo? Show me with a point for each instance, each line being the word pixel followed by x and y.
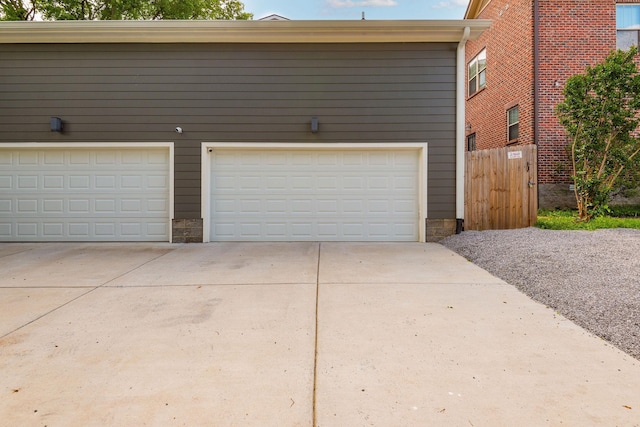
pixel 315 344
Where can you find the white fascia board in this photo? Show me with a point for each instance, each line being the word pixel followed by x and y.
pixel 177 31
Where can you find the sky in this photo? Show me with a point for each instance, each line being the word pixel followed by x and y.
pixel 352 9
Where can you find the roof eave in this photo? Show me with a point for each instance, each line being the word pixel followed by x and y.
pixel 473 9
pixel 168 31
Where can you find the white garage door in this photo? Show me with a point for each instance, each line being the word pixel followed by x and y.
pixel 305 195
pixel 84 194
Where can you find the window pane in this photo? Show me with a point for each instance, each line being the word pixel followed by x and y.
pixel 626 39
pixel 513 115
pixel 627 16
pixel 471 142
pixel 477 74
pixel 482 60
pixel 513 132
pixel 482 64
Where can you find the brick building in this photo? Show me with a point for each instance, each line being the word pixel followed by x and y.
pixel 517 69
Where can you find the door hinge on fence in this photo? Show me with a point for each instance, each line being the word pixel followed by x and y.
pixel 531 184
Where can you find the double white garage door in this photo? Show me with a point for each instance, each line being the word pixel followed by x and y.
pixel 283 193
pixel 84 194
pixel 324 194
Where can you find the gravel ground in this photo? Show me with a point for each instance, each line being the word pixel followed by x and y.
pixel 590 277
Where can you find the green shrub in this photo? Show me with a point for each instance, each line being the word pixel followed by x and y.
pixel 625 211
pixel 600 113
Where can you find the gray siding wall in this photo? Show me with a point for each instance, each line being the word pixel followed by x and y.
pixel 232 93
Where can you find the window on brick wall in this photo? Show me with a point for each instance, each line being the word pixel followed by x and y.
pixel 627 25
pixel 513 124
pixel 471 142
pixel 478 72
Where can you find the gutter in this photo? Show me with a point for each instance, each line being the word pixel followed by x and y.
pixel 221 31
pixel 460 133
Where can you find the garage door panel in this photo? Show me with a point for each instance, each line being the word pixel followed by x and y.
pixel 80 182
pixel 6 229
pixel 276 206
pixel 160 207
pixel 315 230
pixel 73 207
pixel 106 206
pixel 86 230
pixel 131 181
pixel 27 182
pixel 327 229
pixel 404 183
pixel 6 182
pixel 157 230
pixel 27 158
pixel 84 194
pixel 157 182
pixel 314 195
pixel 53 182
pixel 53 229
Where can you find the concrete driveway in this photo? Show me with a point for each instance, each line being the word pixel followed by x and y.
pixel 290 334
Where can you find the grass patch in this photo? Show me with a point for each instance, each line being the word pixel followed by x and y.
pixel 620 217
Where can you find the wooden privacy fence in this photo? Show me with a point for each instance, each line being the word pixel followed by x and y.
pixel 500 188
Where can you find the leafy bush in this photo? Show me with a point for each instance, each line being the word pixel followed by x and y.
pixel 625 211
pixel 601 112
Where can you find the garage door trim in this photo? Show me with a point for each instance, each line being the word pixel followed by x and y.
pixel 115 145
pixel 421 148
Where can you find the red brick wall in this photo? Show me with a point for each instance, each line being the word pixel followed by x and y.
pixel 509 44
pixel 573 34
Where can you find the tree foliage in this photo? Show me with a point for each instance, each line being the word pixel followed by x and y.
pixel 24 10
pixel 601 113
pixel 17 10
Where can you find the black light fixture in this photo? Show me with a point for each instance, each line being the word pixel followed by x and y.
pixel 314 125
pixel 56 124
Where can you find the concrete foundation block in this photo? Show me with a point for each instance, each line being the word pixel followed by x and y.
pixel 559 196
pixel 556 196
pixel 187 230
pixel 438 229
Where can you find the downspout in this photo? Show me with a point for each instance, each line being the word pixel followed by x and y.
pixel 460 121
pixel 536 90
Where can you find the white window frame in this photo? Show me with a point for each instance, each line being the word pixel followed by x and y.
pixel 511 125
pixel 626 36
pixel 471 142
pixel 477 75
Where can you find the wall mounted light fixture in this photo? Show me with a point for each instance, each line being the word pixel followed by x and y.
pixel 56 124
pixel 314 124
